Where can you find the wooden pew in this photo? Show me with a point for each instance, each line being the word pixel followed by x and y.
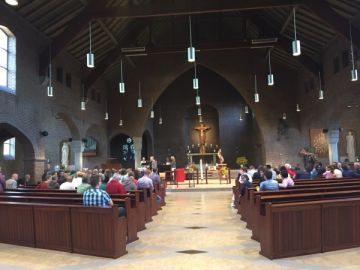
pixel 130 213
pixel 72 228
pixel 299 228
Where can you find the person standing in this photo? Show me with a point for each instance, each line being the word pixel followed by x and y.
pixel 153 163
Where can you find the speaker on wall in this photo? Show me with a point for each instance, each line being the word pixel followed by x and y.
pixel 44 133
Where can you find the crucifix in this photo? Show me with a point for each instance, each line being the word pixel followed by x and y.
pixel 202 129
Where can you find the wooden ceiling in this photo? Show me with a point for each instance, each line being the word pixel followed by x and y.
pixel 162 27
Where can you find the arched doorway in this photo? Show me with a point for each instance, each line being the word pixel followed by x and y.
pixel 17 152
pixel 122 150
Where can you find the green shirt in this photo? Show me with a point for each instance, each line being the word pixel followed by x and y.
pixel 82 188
pixel 102 186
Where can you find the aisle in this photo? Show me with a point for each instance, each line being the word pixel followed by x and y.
pixel 196 230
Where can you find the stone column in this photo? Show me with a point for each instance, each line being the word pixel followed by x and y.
pixel 137 148
pixel 333 139
pixel 77 148
pixel 34 167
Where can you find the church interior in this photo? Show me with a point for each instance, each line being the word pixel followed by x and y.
pixel 201 93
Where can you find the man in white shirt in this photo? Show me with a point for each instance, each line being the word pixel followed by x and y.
pixel 68 185
pixel 78 180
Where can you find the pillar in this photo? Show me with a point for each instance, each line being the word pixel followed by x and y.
pixel 333 139
pixel 137 148
pixel 77 148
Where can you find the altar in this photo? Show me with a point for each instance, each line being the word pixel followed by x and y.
pixel 208 158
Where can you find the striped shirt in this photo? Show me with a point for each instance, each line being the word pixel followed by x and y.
pixel 96 197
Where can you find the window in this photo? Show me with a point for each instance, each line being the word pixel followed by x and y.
pixel 59 74
pixel 9 149
pixel 68 80
pixel 7 60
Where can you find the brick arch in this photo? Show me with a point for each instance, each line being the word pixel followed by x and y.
pixel 75 134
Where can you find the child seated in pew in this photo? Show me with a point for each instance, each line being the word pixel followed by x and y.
pixel 329 173
pixel 286 180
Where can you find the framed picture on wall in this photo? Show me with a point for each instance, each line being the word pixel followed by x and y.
pixel 319 143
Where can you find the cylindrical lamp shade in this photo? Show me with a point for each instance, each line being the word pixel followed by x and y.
pixel 246 109
pixel 139 103
pixel 191 54
pixel 160 121
pixel 296 48
pixel 121 123
pixel 321 94
pixel 152 114
pixel 270 78
pixel 199 111
pixel 50 91
pixel 90 60
pixel 298 108
pixel 256 97
pixel 200 119
pixel 198 102
pixel 241 117
pixel 195 83
pixel 354 75
pixel 106 116
pixel 121 87
pixel 83 105
pixel 284 116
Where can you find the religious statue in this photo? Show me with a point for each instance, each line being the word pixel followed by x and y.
pixel 350 147
pixel 202 129
pixel 220 156
pixel 65 154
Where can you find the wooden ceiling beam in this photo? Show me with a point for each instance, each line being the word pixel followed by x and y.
pixel 333 19
pixel 167 8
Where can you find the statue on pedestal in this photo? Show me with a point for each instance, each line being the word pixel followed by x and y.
pixel 65 154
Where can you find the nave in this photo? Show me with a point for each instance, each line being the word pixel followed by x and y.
pixel 200 223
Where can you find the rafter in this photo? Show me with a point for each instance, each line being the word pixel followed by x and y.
pixel 167 8
pixel 333 19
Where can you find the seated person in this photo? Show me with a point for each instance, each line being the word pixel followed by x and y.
pixel 329 173
pixel 44 184
pixel 53 184
pixel 269 183
pixel 145 181
pixel 155 177
pixel 286 180
pixel 97 197
pixel 128 184
pixel 84 186
pixel 114 186
pixel 245 183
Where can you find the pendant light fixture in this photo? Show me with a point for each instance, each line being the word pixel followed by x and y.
pixel 199 111
pixel 246 109
pixel 200 119
pixel 160 118
pixel 354 72
pixel 121 83
pixel 195 79
pixel 296 47
pixel 83 103
pixel 121 123
pixel 152 113
pixel 256 96
pixel 298 108
pixel 197 99
pixel 284 116
pixel 241 117
pixel 139 103
pixel 12 2
pixel 321 92
pixel 270 76
pixel 106 112
pixel 191 49
pixel 90 58
pixel 50 90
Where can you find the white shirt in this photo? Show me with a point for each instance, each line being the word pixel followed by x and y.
pixel 67 186
pixel 77 182
pixel 338 173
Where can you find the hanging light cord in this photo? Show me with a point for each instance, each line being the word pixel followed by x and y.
pixel 121 69
pixel 195 69
pixel 255 84
pixel 90 35
pixel 139 90
pixel 320 80
pixel 295 23
pixel 351 48
pixel 50 63
pixel 270 62
pixel 190 31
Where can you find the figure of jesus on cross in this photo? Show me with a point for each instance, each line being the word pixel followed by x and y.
pixel 202 129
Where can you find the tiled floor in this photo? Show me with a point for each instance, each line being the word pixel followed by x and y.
pixel 196 230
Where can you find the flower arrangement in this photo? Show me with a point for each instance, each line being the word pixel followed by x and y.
pixel 191 168
pixel 241 161
pixel 223 171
